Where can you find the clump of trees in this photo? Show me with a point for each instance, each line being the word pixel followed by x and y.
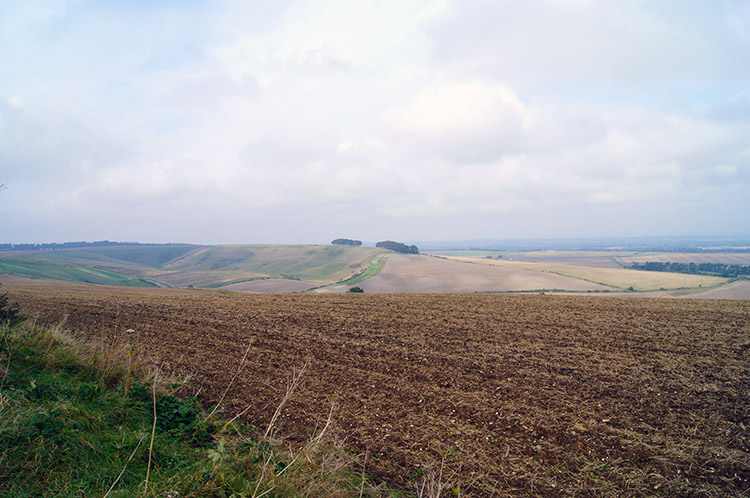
pixel 398 247
pixel 346 242
pixel 356 290
pixel 721 269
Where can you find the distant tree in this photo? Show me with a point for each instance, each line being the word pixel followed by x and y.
pixel 722 269
pixel 357 290
pixel 398 247
pixel 69 245
pixel 346 242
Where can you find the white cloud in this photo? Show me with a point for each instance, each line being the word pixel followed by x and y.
pixel 553 44
pixel 284 117
pixel 468 122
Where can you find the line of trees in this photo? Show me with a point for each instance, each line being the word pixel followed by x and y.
pixel 346 242
pixel 66 245
pixel 398 247
pixel 721 269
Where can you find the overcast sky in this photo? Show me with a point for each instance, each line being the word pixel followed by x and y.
pixel 301 121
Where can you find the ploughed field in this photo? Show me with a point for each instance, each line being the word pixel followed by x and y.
pixel 514 395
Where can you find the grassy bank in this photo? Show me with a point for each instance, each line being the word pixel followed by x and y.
pixel 78 420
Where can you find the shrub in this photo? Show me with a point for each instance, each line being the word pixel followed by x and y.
pixel 358 290
pixel 10 313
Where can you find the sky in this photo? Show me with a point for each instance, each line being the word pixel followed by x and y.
pixel 286 121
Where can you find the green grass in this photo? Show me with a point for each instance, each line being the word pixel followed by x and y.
pixel 73 419
pixel 68 428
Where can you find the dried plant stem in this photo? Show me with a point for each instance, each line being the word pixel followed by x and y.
pixel 247 408
pixel 362 484
pixel 266 492
pixel 153 431
pixel 296 379
pixel 126 466
pixel 239 369
pixel 314 441
pixel 287 466
pixel 55 333
pixel 260 479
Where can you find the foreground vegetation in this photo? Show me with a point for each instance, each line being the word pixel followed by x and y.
pixel 78 421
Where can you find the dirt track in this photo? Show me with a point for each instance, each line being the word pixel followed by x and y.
pixel 273 285
pixel 538 395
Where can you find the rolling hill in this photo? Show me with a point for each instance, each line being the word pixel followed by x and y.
pixel 296 267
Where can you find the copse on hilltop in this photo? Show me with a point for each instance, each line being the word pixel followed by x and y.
pixel 398 247
pixel 346 242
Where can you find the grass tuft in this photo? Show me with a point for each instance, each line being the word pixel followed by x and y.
pixel 73 419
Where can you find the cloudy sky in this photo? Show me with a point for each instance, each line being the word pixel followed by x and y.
pixel 301 121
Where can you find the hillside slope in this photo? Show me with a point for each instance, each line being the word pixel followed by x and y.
pixel 194 266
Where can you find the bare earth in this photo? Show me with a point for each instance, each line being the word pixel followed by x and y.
pixel 418 273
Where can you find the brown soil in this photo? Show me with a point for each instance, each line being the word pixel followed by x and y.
pixel 518 395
